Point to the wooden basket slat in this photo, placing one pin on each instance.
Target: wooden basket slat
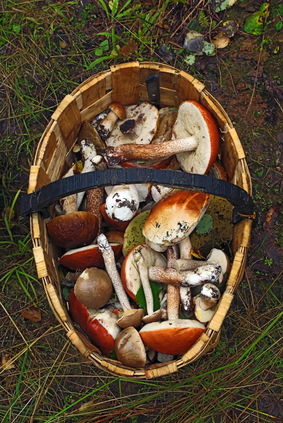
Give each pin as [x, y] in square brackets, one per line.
[167, 97]
[37, 178]
[126, 83]
[220, 314]
[93, 90]
[232, 152]
[188, 88]
[241, 234]
[213, 108]
[68, 117]
[167, 75]
[97, 107]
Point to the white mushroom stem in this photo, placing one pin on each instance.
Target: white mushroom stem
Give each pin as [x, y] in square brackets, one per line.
[125, 152]
[187, 264]
[69, 203]
[185, 247]
[110, 266]
[173, 292]
[143, 272]
[197, 277]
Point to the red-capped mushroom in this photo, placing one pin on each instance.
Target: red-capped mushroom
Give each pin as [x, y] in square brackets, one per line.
[195, 120]
[172, 336]
[88, 256]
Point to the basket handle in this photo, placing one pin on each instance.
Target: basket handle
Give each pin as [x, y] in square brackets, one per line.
[41, 199]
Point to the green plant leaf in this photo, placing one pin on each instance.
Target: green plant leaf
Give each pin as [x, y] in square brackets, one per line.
[155, 288]
[98, 52]
[17, 28]
[279, 25]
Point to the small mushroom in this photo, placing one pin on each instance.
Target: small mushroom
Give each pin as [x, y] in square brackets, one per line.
[122, 203]
[152, 316]
[110, 265]
[195, 120]
[130, 349]
[106, 125]
[209, 296]
[93, 288]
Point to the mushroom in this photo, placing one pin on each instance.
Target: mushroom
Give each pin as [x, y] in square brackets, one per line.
[122, 203]
[152, 316]
[88, 256]
[144, 120]
[118, 226]
[195, 120]
[130, 349]
[107, 124]
[122, 153]
[110, 265]
[129, 272]
[143, 190]
[209, 296]
[173, 292]
[175, 217]
[171, 336]
[215, 256]
[89, 132]
[185, 247]
[210, 272]
[99, 325]
[93, 288]
[205, 302]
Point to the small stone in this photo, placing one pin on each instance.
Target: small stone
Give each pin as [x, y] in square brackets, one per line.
[194, 41]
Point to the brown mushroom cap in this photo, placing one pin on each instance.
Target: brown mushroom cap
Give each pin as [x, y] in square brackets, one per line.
[93, 288]
[171, 336]
[130, 349]
[175, 217]
[118, 109]
[131, 317]
[73, 230]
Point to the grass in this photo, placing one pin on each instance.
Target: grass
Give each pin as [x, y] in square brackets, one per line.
[47, 49]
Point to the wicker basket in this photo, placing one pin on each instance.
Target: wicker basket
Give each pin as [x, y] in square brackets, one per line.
[125, 83]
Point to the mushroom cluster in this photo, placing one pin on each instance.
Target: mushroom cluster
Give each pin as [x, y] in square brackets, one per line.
[138, 292]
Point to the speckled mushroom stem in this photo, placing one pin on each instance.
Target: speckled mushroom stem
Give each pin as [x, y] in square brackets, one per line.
[212, 273]
[185, 247]
[121, 153]
[111, 269]
[173, 292]
[143, 272]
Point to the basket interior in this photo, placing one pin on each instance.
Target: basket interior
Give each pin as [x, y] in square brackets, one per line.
[126, 84]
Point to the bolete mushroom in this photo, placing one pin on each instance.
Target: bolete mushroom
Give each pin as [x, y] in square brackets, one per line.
[195, 120]
[130, 349]
[106, 125]
[175, 217]
[93, 288]
[122, 203]
[110, 265]
[143, 119]
[129, 272]
[205, 302]
[172, 336]
[99, 325]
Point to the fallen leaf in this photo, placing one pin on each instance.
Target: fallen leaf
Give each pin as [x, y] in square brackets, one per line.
[32, 314]
[63, 44]
[128, 49]
[7, 363]
[271, 217]
[221, 41]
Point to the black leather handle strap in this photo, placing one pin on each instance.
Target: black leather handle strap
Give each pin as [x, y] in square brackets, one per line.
[41, 199]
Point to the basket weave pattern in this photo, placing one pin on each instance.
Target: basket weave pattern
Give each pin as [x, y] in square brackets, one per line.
[125, 83]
